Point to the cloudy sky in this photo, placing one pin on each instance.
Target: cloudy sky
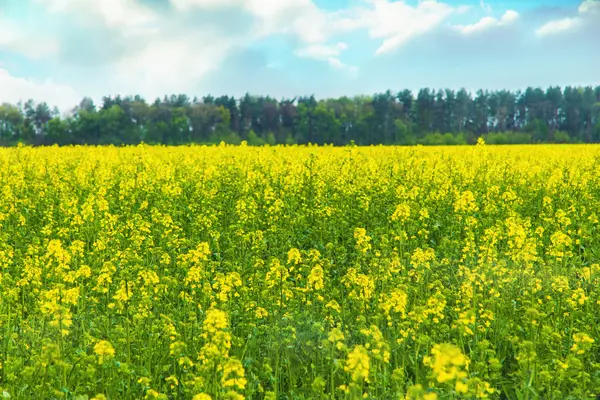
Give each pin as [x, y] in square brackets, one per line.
[61, 50]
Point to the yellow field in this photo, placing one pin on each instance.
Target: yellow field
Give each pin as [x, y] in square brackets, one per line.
[300, 272]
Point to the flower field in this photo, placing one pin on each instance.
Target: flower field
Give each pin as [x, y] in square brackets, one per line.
[232, 272]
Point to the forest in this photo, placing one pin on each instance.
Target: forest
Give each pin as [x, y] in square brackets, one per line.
[429, 117]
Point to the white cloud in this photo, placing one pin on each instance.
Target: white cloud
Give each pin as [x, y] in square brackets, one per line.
[185, 5]
[321, 51]
[170, 64]
[15, 89]
[397, 22]
[162, 58]
[509, 16]
[587, 11]
[557, 26]
[462, 9]
[486, 23]
[115, 13]
[301, 18]
[589, 6]
[326, 53]
[485, 7]
[30, 43]
[483, 24]
[394, 21]
[166, 57]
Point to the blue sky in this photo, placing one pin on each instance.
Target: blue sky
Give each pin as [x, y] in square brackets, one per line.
[60, 50]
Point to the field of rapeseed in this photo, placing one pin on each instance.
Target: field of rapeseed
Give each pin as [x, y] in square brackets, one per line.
[300, 273]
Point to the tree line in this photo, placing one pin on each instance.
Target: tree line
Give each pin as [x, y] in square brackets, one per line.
[429, 117]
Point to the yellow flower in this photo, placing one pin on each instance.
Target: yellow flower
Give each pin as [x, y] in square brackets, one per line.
[461, 387]
[363, 241]
[396, 301]
[583, 343]
[233, 375]
[202, 396]
[172, 381]
[144, 381]
[417, 392]
[215, 320]
[447, 362]
[104, 350]
[153, 394]
[402, 213]
[315, 278]
[124, 293]
[334, 306]
[231, 395]
[358, 364]
[335, 335]
[465, 203]
[261, 313]
[294, 257]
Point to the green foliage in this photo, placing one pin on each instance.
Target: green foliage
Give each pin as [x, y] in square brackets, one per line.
[555, 115]
[508, 138]
[402, 134]
[538, 129]
[58, 132]
[447, 139]
[228, 137]
[561, 137]
[254, 140]
[270, 139]
[289, 140]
